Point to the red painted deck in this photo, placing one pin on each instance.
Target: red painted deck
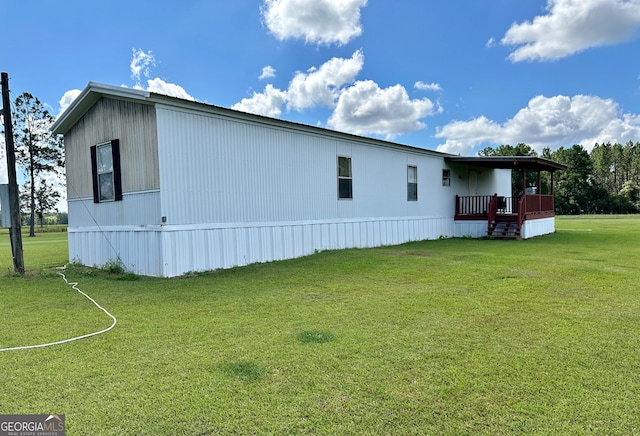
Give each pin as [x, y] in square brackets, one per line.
[504, 214]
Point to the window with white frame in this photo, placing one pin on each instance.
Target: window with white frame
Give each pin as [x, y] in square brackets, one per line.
[446, 177]
[412, 183]
[345, 180]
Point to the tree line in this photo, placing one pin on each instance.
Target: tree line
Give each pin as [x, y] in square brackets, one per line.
[603, 181]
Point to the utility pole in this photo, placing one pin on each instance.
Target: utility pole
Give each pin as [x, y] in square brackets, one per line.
[14, 194]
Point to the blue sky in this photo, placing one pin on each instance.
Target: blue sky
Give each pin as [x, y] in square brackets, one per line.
[454, 76]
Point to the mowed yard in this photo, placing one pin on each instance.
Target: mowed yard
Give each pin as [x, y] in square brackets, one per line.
[454, 336]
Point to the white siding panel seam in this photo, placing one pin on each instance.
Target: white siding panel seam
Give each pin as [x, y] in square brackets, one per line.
[389, 224]
[124, 194]
[115, 229]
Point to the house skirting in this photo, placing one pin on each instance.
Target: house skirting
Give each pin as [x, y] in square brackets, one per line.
[530, 228]
[470, 228]
[538, 227]
[173, 250]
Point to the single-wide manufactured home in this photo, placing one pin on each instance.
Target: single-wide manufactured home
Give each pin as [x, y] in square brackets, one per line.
[167, 186]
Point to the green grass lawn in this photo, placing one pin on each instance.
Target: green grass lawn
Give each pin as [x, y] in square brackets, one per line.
[454, 336]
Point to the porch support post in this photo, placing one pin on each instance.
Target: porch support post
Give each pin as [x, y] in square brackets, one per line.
[539, 182]
[524, 181]
[552, 190]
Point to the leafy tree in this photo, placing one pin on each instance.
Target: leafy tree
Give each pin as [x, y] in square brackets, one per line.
[634, 161]
[618, 166]
[62, 218]
[572, 190]
[45, 200]
[38, 152]
[509, 150]
[631, 192]
[602, 160]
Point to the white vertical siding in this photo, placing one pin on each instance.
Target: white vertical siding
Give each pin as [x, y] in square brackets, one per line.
[474, 229]
[216, 170]
[195, 248]
[237, 192]
[539, 227]
[138, 248]
[128, 230]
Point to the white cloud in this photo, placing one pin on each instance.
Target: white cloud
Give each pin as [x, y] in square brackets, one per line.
[427, 86]
[360, 107]
[268, 103]
[67, 99]
[365, 108]
[572, 26]
[318, 87]
[159, 86]
[546, 122]
[315, 21]
[268, 72]
[323, 86]
[141, 64]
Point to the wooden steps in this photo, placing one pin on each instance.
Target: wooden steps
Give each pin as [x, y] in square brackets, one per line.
[504, 228]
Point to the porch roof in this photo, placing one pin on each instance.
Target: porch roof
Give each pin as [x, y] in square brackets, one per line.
[509, 162]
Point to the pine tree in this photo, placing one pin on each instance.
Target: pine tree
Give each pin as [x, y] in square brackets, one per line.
[38, 152]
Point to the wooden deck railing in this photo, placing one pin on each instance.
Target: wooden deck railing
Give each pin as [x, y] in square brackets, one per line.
[479, 207]
[472, 207]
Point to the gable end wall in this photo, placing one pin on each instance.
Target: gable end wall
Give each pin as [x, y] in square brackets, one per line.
[135, 125]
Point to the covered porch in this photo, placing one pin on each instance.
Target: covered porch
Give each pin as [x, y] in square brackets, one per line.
[511, 217]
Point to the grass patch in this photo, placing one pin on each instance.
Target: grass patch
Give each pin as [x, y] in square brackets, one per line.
[315, 337]
[244, 370]
[450, 337]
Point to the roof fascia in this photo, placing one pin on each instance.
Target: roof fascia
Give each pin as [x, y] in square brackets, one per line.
[87, 98]
[94, 91]
[509, 162]
[198, 107]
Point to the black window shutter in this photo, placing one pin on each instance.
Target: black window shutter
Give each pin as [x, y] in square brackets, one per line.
[117, 178]
[94, 173]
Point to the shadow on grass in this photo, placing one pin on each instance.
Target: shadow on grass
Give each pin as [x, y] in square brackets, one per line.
[244, 370]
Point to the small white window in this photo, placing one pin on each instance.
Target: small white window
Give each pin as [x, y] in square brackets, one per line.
[446, 177]
[412, 183]
[345, 180]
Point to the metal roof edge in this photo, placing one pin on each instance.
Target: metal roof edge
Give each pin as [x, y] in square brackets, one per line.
[509, 162]
[94, 91]
[87, 98]
[196, 106]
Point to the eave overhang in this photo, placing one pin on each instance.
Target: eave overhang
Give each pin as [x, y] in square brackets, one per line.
[87, 98]
[95, 91]
[508, 162]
